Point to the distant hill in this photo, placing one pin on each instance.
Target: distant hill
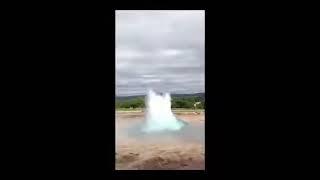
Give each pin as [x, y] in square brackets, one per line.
[177, 101]
[201, 95]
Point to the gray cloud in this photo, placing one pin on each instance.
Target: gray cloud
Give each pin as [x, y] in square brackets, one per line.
[163, 50]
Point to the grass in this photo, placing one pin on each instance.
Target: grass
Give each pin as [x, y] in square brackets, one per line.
[128, 109]
[173, 109]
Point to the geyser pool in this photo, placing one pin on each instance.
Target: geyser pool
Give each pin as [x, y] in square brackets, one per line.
[159, 116]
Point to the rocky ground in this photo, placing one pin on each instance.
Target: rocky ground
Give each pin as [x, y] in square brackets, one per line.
[182, 150]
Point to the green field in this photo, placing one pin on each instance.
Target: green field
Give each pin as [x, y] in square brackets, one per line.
[182, 102]
[173, 109]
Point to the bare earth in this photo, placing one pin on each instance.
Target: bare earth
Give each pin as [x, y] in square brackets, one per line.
[182, 150]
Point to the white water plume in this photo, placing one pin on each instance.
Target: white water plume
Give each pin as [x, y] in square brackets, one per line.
[159, 116]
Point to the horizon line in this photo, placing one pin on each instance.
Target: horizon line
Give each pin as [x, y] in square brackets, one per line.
[145, 94]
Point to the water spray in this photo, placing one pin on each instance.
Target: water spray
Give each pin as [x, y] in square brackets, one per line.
[159, 116]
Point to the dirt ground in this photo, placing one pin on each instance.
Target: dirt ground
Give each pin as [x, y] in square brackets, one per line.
[182, 150]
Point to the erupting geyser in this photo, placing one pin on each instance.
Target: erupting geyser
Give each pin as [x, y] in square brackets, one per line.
[159, 116]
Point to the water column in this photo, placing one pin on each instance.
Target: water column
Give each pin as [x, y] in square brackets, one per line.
[158, 115]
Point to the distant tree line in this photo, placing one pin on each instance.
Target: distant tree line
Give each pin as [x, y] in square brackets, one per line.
[176, 102]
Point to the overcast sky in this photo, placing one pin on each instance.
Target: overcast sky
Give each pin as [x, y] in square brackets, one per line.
[162, 50]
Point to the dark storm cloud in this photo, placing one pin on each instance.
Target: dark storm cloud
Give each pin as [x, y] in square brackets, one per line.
[163, 50]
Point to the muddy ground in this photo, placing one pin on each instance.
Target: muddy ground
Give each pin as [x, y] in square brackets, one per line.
[181, 150]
